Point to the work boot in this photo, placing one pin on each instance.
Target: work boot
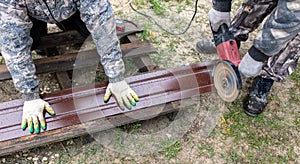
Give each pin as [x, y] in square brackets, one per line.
[206, 46]
[258, 96]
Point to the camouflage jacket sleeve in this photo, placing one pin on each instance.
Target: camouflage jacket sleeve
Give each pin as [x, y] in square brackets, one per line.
[99, 18]
[15, 47]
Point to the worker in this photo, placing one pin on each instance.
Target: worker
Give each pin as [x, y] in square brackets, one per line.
[275, 50]
[23, 22]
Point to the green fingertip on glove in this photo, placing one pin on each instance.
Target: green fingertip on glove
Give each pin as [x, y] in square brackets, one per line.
[50, 111]
[33, 112]
[24, 125]
[34, 128]
[128, 106]
[43, 125]
[106, 98]
[123, 94]
[37, 128]
[31, 129]
[136, 98]
[133, 103]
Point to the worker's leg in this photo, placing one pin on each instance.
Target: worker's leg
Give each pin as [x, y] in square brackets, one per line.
[39, 28]
[282, 65]
[280, 28]
[279, 39]
[74, 23]
[248, 17]
[277, 69]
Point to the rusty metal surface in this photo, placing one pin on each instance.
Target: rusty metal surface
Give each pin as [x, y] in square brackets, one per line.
[85, 104]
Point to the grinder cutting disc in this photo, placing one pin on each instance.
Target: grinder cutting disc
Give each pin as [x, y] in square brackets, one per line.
[227, 80]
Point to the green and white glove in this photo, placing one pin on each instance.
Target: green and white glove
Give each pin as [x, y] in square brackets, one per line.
[250, 67]
[123, 94]
[33, 115]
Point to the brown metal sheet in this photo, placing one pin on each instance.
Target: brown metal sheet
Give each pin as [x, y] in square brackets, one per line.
[85, 104]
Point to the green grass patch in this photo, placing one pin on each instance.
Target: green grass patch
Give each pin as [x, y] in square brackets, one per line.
[171, 148]
[206, 149]
[295, 76]
[130, 128]
[157, 7]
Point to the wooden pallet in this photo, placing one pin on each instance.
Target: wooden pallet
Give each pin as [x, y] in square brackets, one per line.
[59, 64]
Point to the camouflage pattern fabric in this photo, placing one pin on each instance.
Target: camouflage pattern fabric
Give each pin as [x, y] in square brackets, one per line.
[282, 65]
[280, 28]
[279, 37]
[249, 16]
[15, 40]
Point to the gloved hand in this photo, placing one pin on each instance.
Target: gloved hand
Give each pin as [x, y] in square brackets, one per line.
[122, 93]
[217, 18]
[33, 115]
[250, 67]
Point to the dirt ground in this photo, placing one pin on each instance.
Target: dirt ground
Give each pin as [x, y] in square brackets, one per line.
[205, 131]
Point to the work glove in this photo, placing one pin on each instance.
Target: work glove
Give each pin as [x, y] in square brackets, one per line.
[33, 115]
[217, 18]
[250, 67]
[123, 94]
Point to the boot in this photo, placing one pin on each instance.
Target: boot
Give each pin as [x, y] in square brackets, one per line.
[257, 100]
[206, 46]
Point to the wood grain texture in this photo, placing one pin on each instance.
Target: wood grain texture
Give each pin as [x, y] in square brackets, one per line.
[89, 57]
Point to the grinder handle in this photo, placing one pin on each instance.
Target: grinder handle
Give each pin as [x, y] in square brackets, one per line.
[223, 28]
[222, 35]
[226, 44]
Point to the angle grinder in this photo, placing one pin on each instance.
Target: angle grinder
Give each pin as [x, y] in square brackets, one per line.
[226, 77]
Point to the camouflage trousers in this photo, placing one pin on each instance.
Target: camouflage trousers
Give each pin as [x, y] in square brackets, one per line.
[279, 38]
[283, 64]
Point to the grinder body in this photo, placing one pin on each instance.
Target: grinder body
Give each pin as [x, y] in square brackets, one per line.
[227, 46]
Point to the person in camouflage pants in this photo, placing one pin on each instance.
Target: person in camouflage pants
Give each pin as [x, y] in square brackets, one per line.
[275, 51]
[22, 22]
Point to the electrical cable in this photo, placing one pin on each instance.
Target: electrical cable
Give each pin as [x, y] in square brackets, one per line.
[122, 7]
[160, 26]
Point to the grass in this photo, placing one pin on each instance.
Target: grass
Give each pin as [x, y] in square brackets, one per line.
[157, 7]
[260, 133]
[206, 149]
[130, 128]
[171, 148]
[296, 76]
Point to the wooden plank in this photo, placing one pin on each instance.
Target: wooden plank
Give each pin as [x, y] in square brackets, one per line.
[81, 108]
[73, 37]
[60, 39]
[62, 76]
[66, 62]
[143, 62]
[63, 80]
